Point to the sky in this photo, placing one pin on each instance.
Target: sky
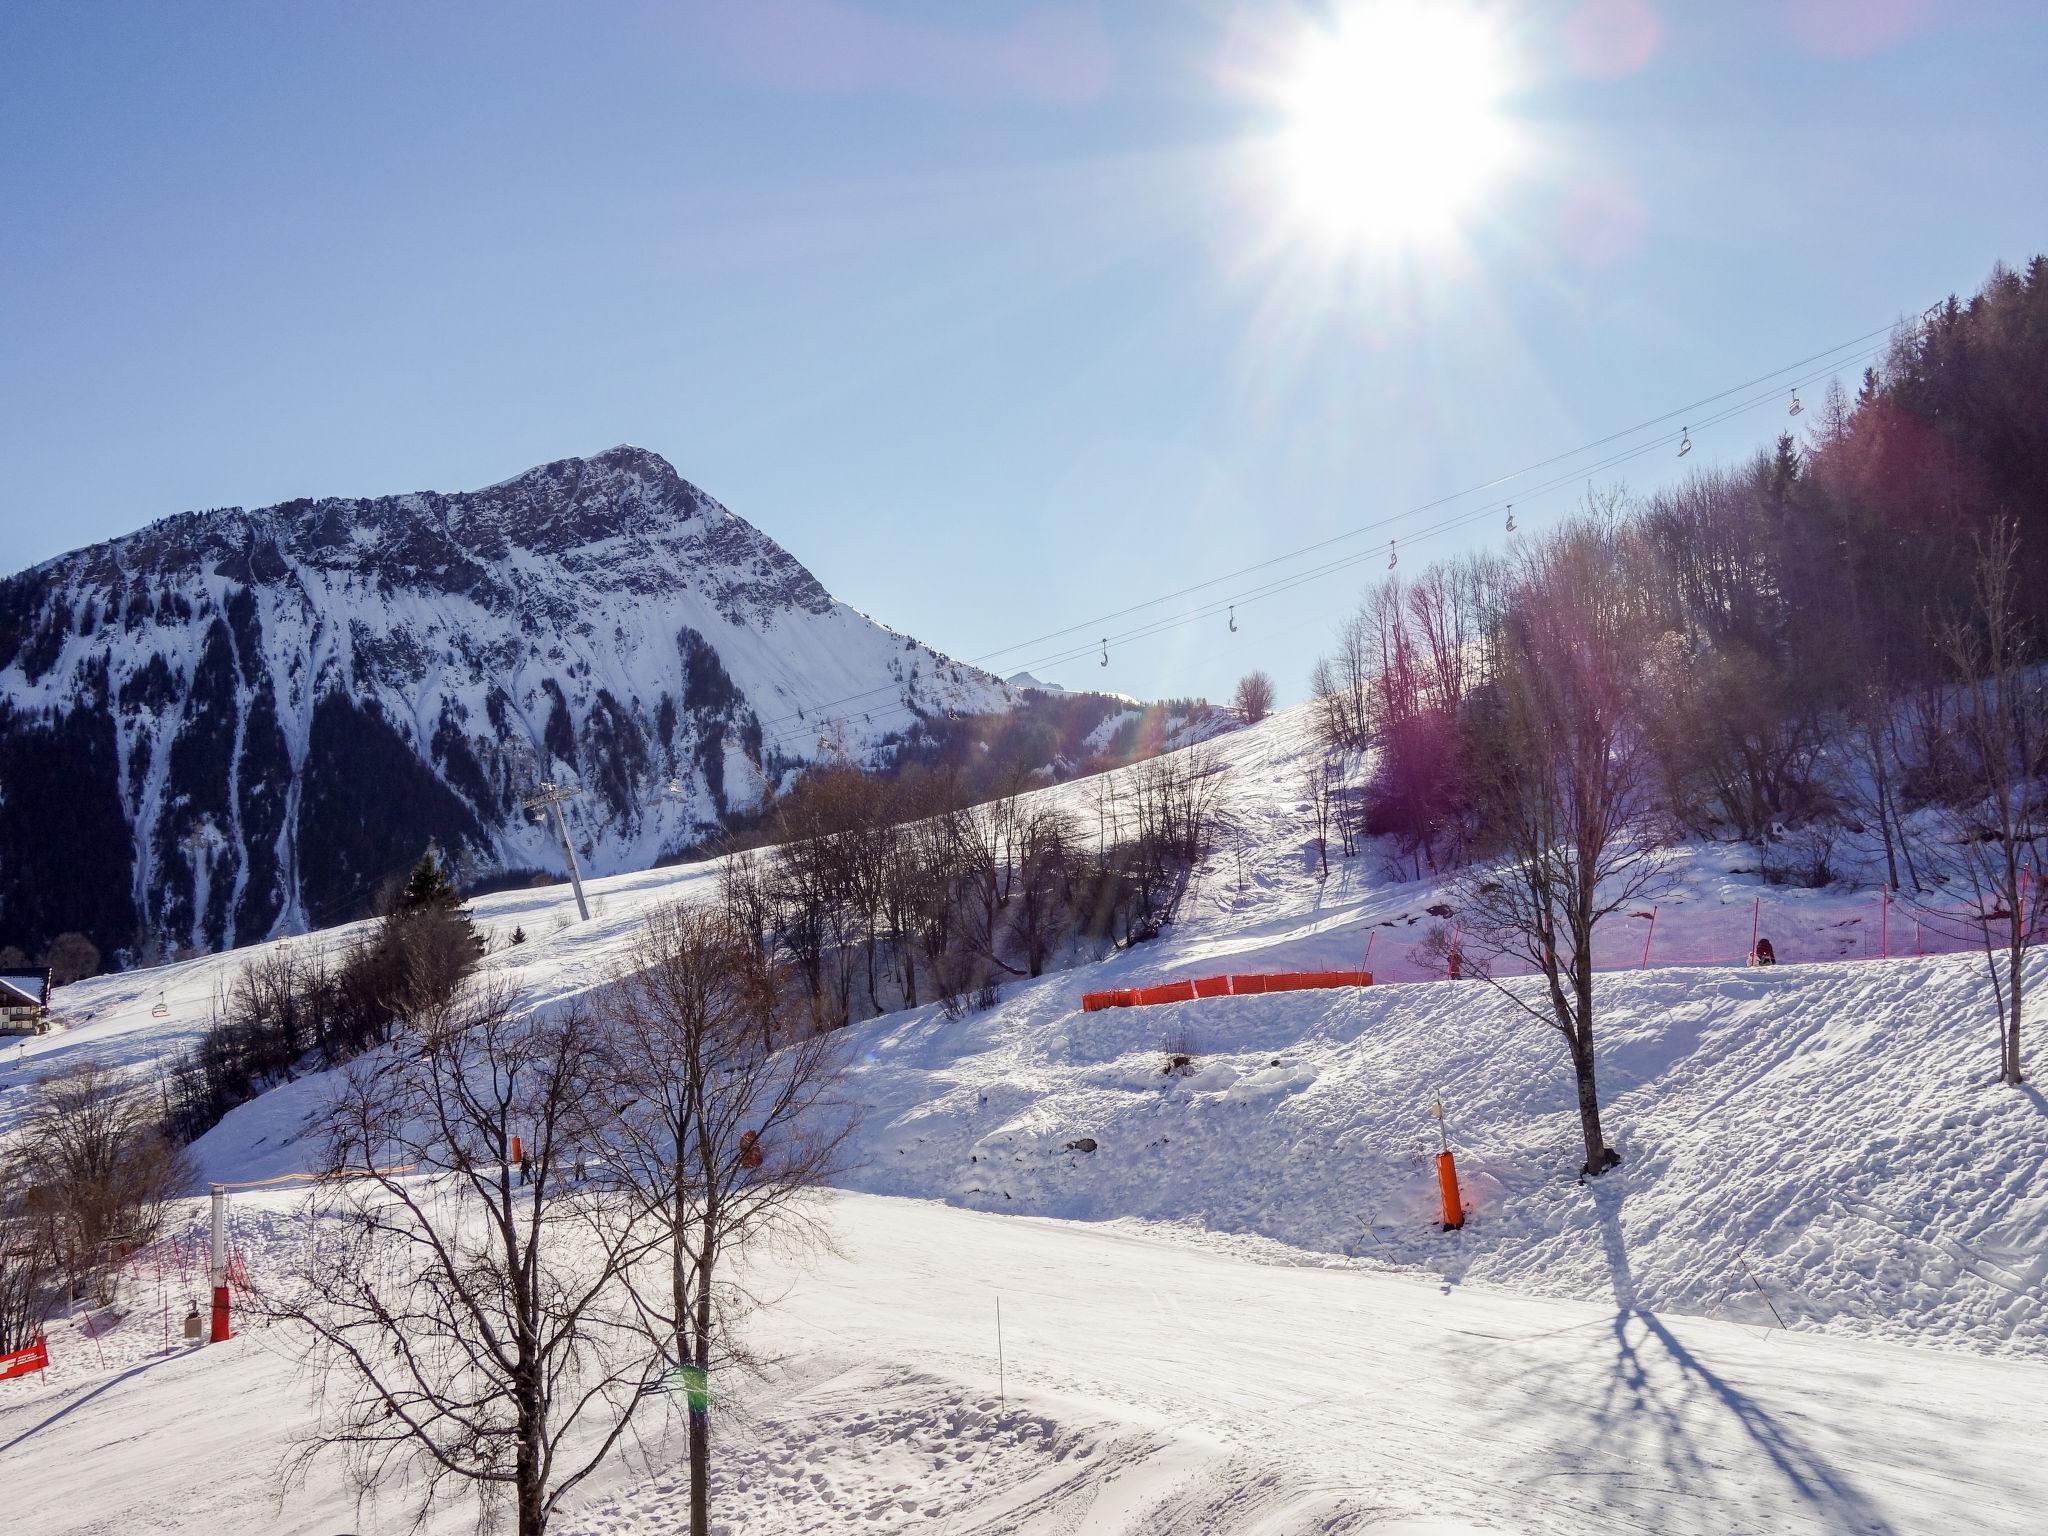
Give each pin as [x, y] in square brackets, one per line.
[1002, 317]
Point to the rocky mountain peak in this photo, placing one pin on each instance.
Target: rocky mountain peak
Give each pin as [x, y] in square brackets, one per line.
[231, 723]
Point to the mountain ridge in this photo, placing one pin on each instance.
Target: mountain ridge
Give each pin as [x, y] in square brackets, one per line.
[232, 722]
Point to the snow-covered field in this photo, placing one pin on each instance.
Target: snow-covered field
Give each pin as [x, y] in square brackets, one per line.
[1235, 1312]
[1153, 1383]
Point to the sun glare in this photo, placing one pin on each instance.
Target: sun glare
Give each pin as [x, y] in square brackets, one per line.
[1392, 125]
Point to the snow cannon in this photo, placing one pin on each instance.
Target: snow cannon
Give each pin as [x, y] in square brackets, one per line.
[222, 1330]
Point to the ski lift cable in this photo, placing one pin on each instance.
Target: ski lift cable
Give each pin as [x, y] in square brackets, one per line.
[1458, 521]
[1833, 365]
[1471, 490]
[1775, 374]
[1461, 520]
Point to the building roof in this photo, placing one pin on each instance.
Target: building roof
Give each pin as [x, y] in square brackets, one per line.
[24, 989]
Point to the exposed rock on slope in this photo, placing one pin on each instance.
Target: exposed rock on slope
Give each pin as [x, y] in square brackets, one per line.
[233, 723]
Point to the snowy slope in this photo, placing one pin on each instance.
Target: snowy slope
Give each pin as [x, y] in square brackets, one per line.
[1149, 1386]
[1822, 1137]
[1241, 1317]
[241, 720]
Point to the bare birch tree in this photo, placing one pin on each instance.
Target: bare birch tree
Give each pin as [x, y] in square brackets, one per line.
[723, 1123]
[2001, 725]
[470, 1326]
[1563, 791]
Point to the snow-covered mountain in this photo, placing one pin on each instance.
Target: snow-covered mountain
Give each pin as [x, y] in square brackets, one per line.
[234, 723]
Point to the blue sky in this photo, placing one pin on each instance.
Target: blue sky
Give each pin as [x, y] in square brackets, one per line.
[986, 312]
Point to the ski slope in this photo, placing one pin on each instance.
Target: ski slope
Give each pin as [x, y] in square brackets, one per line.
[1812, 1297]
[1150, 1384]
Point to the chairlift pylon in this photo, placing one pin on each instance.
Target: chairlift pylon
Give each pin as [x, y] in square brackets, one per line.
[1684, 442]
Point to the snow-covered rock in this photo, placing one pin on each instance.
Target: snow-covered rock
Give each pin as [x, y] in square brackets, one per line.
[236, 723]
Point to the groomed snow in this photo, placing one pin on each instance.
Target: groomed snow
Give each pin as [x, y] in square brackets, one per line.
[1242, 1306]
[1150, 1385]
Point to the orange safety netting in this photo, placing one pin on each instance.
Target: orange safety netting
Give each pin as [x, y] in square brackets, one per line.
[1221, 986]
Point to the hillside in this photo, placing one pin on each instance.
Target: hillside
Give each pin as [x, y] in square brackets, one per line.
[1834, 1119]
[1229, 1305]
[236, 723]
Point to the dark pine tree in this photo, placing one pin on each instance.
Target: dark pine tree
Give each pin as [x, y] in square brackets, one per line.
[428, 888]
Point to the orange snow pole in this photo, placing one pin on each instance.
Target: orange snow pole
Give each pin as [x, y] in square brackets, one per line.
[1447, 1174]
[1447, 1182]
[518, 1150]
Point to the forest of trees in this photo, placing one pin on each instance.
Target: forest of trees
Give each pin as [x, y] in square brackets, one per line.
[1831, 637]
[886, 893]
[1779, 617]
[288, 1009]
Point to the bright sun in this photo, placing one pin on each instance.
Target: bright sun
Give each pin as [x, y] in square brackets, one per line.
[1392, 122]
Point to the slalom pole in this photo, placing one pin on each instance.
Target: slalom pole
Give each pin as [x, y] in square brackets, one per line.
[1755, 916]
[1885, 926]
[1002, 1383]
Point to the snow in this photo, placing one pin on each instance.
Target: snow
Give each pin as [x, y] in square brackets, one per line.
[1150, 1383]
[1811, 1298]
[595, 619]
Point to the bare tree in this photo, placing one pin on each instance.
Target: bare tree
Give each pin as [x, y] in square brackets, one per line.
[1562, 787]
[99, 1171]
[71, 957]
[1048, 841]
[2001, 726]
[30, 1285]
[725, 1124]
[1342, 685]
[473, 1327]
[1319, 786]
[1254, 698]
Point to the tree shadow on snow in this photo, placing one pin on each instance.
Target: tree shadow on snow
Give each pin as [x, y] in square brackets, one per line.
[1642, 1430]
[1663, 1411]
[87, 1396]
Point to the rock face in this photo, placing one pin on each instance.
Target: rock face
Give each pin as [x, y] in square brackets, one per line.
[238, 723]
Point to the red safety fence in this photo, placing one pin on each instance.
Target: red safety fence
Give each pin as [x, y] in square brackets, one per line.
[1221, 986]
[35, 1358]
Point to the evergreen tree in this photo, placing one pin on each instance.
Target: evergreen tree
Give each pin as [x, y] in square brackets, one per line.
[428, 888]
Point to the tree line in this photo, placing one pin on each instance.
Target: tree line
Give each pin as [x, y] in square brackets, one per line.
[889, 893]
[1832, 636]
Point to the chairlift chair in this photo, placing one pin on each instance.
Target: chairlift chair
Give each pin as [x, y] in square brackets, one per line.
[1105, 650]
[1511, 517]
[1233, 618]
[1684, 442]
[1796, 406]
[1393, 553]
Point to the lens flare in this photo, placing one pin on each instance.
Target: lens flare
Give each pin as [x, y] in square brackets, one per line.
[1392, 122]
